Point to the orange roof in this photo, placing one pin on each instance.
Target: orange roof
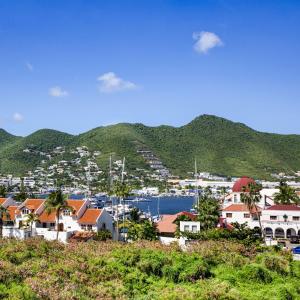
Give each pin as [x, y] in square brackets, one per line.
[12, 213]
[240, 207]
[90, 216]
[2, 200]
[47, 218]
[76, 204]
[33, 204]
[166, 224]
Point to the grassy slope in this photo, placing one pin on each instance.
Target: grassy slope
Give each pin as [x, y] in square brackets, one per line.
[13, 159]
[36, 269]
[220, 146]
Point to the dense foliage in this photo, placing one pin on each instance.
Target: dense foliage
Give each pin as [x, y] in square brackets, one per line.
[36, 269]
[220, 146]
[286, 194]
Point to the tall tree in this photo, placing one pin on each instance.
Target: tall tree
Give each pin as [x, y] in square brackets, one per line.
[286, 194]
[251, 197]
[22, 194]
[121, 191]
[208, 209]
[30, 219]
[3, 191]
[3, 214]
[56, 202]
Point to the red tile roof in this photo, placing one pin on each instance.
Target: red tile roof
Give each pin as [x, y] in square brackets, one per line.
[47, 218]
[241, 183]
[167, 225]
[12, 213]
[240, 207]
[76, 204]
[33, 204]
[2, 200]
[284, 207]
[90, 216]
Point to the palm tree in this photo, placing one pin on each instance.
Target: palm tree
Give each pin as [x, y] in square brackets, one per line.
[3, 213]
[30, 219]
[3, 191]
[250, 197]
[122, 191]
[56, 202]
[286, 194]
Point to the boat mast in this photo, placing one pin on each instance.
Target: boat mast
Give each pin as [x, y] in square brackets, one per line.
[110, 183]
[122, 181]
[196, 184]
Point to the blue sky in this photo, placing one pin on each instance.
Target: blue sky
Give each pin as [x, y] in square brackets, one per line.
[75, 65]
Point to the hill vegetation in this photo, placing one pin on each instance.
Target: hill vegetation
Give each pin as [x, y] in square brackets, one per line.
[37, 269]
[220, 146]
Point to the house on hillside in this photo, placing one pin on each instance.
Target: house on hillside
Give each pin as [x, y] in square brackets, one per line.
[169, 231]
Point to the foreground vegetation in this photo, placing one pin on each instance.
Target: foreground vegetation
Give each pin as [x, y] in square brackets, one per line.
[36, 269]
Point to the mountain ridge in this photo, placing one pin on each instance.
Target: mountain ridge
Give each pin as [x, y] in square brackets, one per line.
[219, 145]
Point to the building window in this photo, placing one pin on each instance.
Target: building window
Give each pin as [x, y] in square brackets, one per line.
[83, 227]
[273, 218]
[228, 215]
[295, 218]
[246, 215]
[235, 198]
[186, 228]
[194, 228]
[25, 211]
[52, 224]
[66, 212]
[44, 225]
[90, 227]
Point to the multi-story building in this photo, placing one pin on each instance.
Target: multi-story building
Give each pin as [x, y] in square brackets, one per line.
[79, 218]
[277, 221]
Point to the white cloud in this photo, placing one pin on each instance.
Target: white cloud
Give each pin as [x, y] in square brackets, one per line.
[205, 41]
[110, 82]
[57, 91]
[17, 117]
[29, 66]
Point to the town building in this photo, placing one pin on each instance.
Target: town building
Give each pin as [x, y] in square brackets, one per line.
[79, 218]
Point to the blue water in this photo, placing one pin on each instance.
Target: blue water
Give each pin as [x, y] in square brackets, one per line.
[166, 205]
[158, 205]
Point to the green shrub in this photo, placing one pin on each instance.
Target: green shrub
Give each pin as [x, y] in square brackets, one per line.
[277, 264]
[256, 273]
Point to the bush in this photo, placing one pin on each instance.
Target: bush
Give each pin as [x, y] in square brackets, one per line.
[277, 264]
[256, 273]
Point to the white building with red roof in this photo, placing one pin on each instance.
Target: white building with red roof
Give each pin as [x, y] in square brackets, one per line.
[281, 221]
[80, 218]
[167, 227]
[240, 213]
[240, 186]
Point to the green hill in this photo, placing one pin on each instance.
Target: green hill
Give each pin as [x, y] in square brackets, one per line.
[220, 146]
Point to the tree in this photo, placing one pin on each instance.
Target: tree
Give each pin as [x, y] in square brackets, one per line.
[135, 215]
[286, 194]
[3, 191]
[56, 202]
[250, 197]
[22, 195]
[3, 214]
[30, 219]
[141, 231]
[208, 209]
[121, 191]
